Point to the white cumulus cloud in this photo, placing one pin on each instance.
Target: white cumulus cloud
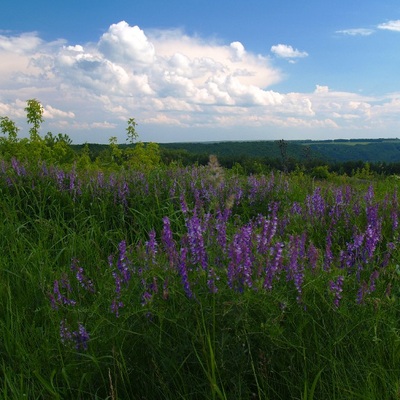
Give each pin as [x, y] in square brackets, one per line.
[391, 25]
[166, 78]
[286, 51]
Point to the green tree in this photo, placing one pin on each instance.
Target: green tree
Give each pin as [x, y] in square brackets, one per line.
[34, 114]
[9, 128]
[283, 150]
[84, 161]
[131, 131]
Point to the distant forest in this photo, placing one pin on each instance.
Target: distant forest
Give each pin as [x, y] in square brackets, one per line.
[340, 155]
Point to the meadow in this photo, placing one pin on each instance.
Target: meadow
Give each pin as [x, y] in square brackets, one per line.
[197, 283]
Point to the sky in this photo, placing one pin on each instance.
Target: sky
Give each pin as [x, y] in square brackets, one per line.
[201, 70]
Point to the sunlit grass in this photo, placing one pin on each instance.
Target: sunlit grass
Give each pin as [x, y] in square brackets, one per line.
[197, 283]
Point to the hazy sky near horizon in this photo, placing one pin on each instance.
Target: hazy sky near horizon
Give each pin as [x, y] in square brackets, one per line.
[201, 70]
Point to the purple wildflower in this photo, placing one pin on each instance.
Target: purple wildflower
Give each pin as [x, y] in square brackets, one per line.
[361, 293]
[312, 256]
[268, 230]
[84, 281]
[211, 278]
[123, 192]
[123, 262]
[220, 226]
[369, 195]
[115, 306]
[274, 266]
[59, 298]
[182, 268]
[169, 243]
[151, 247]
[81, 337]
[196, 241]
[65, 332]
[296, 208]
[17, 167]
[240, 263]
[315, 204]
[372, 281]
[336, 289]
[395, 220]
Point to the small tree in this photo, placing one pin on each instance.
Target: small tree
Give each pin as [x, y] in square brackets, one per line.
[283, 150]
[131, 131]
[34, 114]
[9, 128]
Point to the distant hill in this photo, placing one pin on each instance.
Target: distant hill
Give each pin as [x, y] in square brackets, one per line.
[257, 149]
[329, 151]
[339, 150]
[371, 150]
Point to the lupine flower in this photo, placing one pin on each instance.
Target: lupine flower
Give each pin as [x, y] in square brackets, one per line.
[17, 167]
[196, 241]
[81, 337]
[123, 262]
[336, 289]
[84, 281]
[268, 231]
[372, 238]
[220, 226]
[65, 332]
[151, 247]
[295, 270]
[273, 267]
[169, 243]
[372, 281]
[241, 259]
[59, 298]
[211, 278]
[369, 195]
[115, 306]
[316, 204]
[123, 192]
[296, 208]
[361, 293]
[182, 268]
[395, 220]
[312, 256]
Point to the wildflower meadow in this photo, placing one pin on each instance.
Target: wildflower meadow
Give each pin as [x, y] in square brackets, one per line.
[197, 283]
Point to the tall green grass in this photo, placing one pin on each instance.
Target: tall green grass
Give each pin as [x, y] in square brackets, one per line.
[241, 342]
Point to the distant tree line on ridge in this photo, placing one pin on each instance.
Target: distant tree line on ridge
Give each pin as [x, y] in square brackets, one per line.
[319, 158]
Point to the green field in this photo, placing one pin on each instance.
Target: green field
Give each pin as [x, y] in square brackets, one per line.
[136, 272]
[197, 283]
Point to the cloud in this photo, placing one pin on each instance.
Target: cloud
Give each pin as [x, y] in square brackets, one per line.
[127, 44]
[52, 113]
[356, 32]
[285, 51]
[391, 25]
[167, 79]
[24, 43]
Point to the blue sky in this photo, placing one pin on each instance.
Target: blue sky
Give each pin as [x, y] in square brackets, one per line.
[200, 70]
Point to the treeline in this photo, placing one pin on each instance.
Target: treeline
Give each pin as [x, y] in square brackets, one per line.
[243, 157]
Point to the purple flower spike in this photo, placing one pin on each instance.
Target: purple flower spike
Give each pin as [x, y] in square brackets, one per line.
[81, 338]
[84, 281]
[169, 243]
[336, 289]
[196, 242]
[184, 273]
[151, 247]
